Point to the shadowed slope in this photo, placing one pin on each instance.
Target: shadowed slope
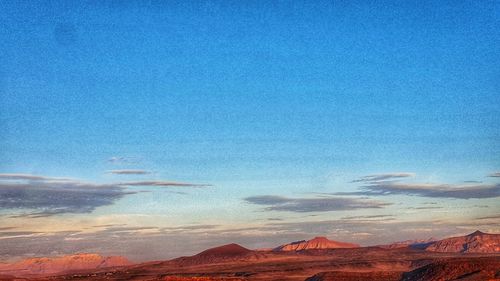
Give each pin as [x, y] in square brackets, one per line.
[225, 250]
[356, 276]
[464, 269]
[225, 253]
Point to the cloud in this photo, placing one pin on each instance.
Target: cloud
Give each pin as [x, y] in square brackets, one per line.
[17, 233]
[47, 198]
[494, 175]
[303, 205]
[30, 177]
[128, 172]
[267, 200]
[7, 228]
[368, 217]
[191, 228]
[495, 217]
[425, 208]
[122, 160]
[44, 196]
[388, 176]
[387, 184]
[129, 228]
[162, 183]
[432, 190]
[175, 241]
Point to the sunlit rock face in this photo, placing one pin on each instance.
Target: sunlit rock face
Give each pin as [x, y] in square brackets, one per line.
[46, 265]
[314, 244]
[477, 242]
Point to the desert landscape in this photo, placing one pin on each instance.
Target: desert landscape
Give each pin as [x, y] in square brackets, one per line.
[249, 140]
[472, 257]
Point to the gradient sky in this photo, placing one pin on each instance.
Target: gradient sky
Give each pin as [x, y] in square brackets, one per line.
[154, 129]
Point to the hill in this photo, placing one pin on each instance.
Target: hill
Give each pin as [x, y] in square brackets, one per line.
[52, 265]
[314, 244]
[476, 242]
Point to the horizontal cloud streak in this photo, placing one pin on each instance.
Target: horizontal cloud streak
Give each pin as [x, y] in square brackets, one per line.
[128, 172]
[45, 196]
[428, 190]
[57, 198]
[122, 160]
[162, 183]
[162, 242]
[495, 217]
[303, 205]
[367, 217]
[391, 184]
[388, 176]
[30, 177]
[494, 175]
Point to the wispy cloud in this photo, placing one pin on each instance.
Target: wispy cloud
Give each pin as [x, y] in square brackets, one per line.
[433, 190]
[425, 208]
[7, 228]
[322, 204]
[387, 176]
[122, 160]
[367, 217]
[46, 198]
[163, 243]
[495, 217]
[30, 177]
[43, 196]
[128, 172]
[391, 184]
[17, 233]
[162, 184]
[494, 175]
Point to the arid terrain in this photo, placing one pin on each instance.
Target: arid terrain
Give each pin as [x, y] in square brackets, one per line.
[471, 257]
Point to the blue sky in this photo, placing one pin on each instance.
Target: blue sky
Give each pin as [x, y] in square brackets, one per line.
[288, 99]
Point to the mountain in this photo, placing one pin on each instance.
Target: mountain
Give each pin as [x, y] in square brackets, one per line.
[314, 244]
[414, 244]
[221, 254]
[476, 242]
[75, 262]
[228, 250]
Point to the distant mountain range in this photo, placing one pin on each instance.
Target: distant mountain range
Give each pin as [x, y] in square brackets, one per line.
[414, 244]
[418, 253]
[43, 266]
[476, 242]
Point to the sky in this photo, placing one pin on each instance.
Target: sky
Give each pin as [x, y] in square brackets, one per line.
[154, 129]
